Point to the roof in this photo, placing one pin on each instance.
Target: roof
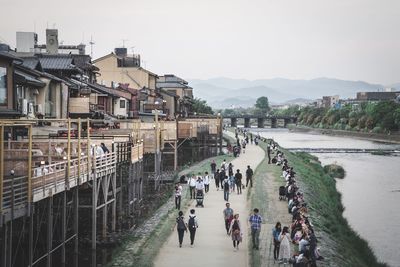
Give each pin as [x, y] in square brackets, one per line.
[84, 62]
[57, 62]
[106, 56]
[168, 93]
[109, 91]
[25, 78]
[171, 78]
[9, 56]
[32, 63]
[172, 85]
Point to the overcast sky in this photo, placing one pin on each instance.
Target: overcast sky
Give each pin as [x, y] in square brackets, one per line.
[252, 39]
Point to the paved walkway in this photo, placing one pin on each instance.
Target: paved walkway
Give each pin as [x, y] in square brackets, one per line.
[212, 246]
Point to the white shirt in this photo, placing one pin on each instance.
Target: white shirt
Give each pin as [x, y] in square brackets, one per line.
[199, 185]
[192, 181]
[206, 180]
[178, 192]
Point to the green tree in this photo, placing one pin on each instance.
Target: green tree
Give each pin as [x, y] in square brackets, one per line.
[262, 104]
[201, 107]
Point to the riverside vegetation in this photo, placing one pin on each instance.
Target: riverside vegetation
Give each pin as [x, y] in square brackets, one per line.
[339, 244]
[374, 117]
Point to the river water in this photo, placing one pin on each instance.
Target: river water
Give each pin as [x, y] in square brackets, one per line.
[370, 191]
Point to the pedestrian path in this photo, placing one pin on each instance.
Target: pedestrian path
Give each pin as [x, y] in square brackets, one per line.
[213, 247]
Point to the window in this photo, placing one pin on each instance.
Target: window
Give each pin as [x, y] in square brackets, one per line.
[3, 86]
[122, 103]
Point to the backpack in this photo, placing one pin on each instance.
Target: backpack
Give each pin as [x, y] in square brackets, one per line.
[181, 224]
[226, 185]
[192, 223]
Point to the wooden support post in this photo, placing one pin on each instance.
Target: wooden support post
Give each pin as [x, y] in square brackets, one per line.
[49, 229]
[76, 224]
[175, 155]
[63, 226]
[79, 151]
[30, 169]
[68, 173]
[4, 246]
[114, 204]
[1, 167]
[30, 245]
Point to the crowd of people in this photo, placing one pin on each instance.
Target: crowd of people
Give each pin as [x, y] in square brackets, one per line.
[301, 231]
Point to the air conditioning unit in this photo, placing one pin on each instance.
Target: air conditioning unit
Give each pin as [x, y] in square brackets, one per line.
[31, 109]
[24, 106]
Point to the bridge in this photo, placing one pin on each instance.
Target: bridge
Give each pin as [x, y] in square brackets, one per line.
[261, 119]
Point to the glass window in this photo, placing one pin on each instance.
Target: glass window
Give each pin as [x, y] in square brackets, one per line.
[3, 86]
[122, 103]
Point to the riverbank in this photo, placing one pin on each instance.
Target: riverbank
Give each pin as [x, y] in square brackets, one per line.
[339, 244]
[393, 138]
[141, 246]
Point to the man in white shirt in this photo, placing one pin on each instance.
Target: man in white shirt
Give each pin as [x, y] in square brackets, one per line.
[199, 184]
[206, 181]
[192, 185]
[178, 196]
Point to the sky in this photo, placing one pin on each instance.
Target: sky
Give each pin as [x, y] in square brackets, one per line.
[250, 39]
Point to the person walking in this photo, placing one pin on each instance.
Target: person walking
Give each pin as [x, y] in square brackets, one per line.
[249, 176]
[230, 169]
[236, 232]
[213, 166]
[222, 175]
[276, 231]
[269, 153]
[238, 179]
[192, 186]
[206, 181]
[284, 249]
[216, 178]
[178, 196]
[255, 225]
[192, 224]
[226, 188]
[228, 216]
[180, 227]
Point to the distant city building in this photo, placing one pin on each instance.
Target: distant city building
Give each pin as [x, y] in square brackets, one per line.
[377, 96]
[27, 42]
[330, 101]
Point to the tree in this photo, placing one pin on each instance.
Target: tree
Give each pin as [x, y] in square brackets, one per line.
[201, 107]
[262, 104]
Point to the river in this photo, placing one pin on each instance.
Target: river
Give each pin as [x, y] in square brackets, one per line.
[370, 191]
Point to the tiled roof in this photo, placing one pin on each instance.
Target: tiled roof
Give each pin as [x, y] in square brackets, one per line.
[57, 62]
[31, 63]
[171, 85]
[84, 62]
[28, 79]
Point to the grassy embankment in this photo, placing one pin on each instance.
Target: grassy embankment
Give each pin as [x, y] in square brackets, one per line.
[345, 247]
[144, 255]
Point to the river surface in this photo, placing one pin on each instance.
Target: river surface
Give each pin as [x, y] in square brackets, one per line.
[370, 191]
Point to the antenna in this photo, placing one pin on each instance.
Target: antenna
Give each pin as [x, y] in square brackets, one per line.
[91, 46]
[123, 42]
[132, 47]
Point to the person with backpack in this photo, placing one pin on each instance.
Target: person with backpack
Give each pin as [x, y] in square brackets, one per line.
[226, 186]
[192, 225]
[238, 179]
[249, 176]
[213, 166]
[180, 227]
[235, 232]
[228, 217]
[178, 195]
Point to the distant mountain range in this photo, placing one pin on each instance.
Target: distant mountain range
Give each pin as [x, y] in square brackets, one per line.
[227, 92]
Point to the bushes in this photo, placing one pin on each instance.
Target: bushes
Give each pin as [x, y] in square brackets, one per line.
[363, 117]
[334, 171]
